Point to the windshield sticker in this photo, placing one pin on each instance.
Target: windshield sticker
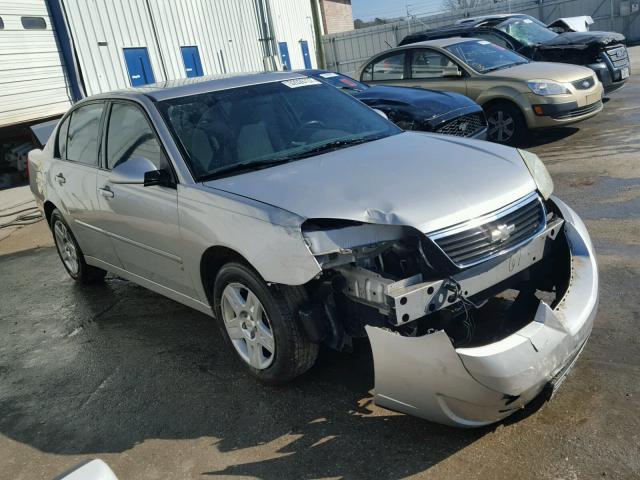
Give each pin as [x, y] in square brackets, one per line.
[328, 75]
[484, 42]
[301, 82]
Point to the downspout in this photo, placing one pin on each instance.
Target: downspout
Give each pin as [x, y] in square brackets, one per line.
[61, 32]
[266, 38]
[272, 35]
[155, 36]
[318, 32]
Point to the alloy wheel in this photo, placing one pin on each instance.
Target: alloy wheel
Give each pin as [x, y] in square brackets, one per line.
[66, 247]
[501, 126]
[248, 326]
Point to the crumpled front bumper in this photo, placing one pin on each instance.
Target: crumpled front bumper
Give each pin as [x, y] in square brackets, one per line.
[469, 387]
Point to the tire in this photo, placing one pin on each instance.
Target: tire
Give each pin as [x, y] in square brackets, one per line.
[70, 253]
[246, 329]
[507, 125]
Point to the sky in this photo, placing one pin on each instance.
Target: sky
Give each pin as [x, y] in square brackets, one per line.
[369, 9]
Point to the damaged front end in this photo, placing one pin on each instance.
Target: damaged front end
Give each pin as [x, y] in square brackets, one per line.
[466, 324]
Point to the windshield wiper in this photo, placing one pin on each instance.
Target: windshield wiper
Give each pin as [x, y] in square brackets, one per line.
[502, 67]
[260, 164]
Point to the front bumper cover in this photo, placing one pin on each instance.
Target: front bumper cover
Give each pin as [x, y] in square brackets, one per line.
[470, 387]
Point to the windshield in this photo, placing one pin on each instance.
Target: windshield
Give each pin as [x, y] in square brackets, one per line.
[484, 56]
[528, 31]
[247, 128]
[342, 81]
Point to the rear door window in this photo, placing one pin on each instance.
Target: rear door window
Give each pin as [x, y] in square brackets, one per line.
[84, 134]
[390, 67]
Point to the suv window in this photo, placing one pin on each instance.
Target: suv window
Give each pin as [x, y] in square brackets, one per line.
[493, 38]
[387, 68]
[84, 132]
[61, 145]
[129, 135]
[431, 64]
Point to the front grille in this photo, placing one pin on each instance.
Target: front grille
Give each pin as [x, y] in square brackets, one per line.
[465, 126]
[579, 111]
[584, 83]
[618, 56]
[493, 234]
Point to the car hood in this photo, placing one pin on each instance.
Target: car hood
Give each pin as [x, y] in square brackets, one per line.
[584, 39]
[430, 103]
[421, 180]
[559, 72]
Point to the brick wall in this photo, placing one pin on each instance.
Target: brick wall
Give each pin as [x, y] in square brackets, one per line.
[337, 15]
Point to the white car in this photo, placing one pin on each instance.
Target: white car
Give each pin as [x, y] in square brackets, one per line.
[297, 216]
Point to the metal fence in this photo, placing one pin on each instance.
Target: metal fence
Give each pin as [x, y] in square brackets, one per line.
[346, 51]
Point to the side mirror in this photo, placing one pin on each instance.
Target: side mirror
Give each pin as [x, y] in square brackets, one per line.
[158, 177]
[381, 113]
[132, 172]
[457, 73]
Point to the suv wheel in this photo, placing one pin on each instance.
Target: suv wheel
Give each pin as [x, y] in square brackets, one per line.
[260, 323]
[506, 124]
[70, 253]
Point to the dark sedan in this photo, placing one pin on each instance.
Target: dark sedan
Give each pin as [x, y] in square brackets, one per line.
[415, 108]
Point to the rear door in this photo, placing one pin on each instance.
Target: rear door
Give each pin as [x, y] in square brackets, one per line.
[74, 171]
[141, 221]
[432, 69]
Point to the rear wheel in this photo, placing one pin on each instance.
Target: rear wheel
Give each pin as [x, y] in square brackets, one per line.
[506, 124]
[260, 324]
[70, 253]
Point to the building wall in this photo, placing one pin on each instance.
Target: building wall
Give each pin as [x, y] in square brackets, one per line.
[33, 83]
[293, 23]
[337, 15]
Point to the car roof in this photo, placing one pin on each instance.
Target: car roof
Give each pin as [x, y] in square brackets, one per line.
[439, 42]
[183, 87]
[484, 18]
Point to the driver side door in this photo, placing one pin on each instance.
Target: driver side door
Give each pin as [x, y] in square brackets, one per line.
[142, 221]
[432, 69]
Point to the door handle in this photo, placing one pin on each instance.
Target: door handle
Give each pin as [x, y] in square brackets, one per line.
[106, 192]
[60, 178]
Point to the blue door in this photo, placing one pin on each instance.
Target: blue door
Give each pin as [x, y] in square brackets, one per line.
[191, 59]
[284, 55]
[305, 53]
[139, 66]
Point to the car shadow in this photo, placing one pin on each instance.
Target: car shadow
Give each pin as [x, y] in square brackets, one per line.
[551, 135]
[100, 369]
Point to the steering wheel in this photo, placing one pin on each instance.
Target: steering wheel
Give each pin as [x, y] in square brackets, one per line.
[311, 124]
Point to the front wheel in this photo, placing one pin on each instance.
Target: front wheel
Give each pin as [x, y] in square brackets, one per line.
[70, 253]
[260, 323]
[506, 124]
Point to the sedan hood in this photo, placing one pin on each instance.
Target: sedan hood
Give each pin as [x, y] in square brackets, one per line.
[559, 72]
[421, 180]
[431, 103]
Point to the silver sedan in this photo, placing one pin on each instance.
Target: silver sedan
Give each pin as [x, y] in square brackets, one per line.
[297, 217]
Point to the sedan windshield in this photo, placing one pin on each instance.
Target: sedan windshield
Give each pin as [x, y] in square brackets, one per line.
[242, 129]
[484, 56]
[342, 81]
[528, 31]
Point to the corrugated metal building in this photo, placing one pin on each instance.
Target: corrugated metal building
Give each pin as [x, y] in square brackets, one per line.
[33, 81]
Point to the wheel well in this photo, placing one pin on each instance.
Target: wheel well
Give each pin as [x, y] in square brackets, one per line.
[497, 101]
[48, 210]
[212, 261]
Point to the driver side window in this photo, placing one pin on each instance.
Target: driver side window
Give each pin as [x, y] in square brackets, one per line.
[129, 135]
[432, 64]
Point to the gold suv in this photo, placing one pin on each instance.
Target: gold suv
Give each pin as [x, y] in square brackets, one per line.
[516, 93]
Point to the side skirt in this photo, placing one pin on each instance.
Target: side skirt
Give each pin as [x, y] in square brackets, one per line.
[153, 286]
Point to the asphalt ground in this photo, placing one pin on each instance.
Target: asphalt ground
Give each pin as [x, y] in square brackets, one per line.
[119, 373]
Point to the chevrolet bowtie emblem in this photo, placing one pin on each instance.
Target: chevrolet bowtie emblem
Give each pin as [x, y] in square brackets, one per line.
[502, 233]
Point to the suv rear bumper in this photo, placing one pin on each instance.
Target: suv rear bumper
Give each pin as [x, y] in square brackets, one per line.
[469, 387]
